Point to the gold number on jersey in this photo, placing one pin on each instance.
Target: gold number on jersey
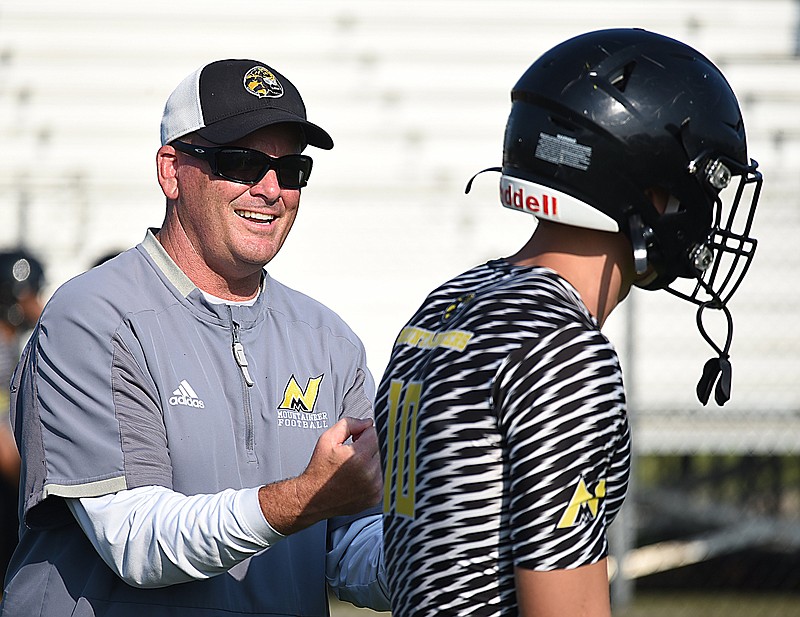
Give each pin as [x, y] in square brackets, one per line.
[405, 480]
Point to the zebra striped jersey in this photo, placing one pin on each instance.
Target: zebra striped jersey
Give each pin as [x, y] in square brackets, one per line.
[504, 441]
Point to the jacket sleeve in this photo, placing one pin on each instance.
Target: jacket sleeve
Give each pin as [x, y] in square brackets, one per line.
[354, 565]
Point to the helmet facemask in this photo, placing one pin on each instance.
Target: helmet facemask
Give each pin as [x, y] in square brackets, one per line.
[719, 263]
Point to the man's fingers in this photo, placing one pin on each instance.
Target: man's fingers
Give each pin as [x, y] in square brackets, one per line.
[356, 426]
[349, 427]
[367, 442]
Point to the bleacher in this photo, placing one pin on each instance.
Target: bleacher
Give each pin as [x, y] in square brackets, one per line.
[415, 94]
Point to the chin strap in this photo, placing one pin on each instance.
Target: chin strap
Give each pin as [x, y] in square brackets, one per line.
[716, 370]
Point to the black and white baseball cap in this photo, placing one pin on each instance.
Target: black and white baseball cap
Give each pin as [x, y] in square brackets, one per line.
[225, 100]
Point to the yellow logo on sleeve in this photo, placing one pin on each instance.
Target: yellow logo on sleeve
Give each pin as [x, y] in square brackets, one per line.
[584, 504]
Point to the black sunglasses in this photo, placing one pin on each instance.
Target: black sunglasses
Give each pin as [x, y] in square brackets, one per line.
[247, 166]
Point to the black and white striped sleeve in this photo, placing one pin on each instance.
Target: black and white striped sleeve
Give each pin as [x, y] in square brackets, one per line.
[561, 410]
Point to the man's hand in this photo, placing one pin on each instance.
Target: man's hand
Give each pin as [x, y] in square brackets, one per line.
[341, 478]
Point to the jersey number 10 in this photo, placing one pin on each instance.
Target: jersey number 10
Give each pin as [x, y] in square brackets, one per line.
[403, 483]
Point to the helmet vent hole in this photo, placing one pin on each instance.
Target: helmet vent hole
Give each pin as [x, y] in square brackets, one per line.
[620, 79]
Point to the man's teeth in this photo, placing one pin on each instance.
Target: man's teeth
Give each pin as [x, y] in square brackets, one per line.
[256, 216]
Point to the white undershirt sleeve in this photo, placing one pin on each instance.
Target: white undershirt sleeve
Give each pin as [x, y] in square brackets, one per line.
[154, 537]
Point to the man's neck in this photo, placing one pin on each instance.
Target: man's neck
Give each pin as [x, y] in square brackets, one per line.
[180, 249]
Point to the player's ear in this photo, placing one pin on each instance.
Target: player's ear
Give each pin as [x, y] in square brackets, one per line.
[659, 198]
[166, 168]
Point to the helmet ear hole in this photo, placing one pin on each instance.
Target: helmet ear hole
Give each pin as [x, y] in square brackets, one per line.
[660, 198]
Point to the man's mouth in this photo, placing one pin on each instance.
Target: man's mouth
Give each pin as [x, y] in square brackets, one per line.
[255, 216]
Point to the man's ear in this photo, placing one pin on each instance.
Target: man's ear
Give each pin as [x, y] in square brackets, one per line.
[166, 167]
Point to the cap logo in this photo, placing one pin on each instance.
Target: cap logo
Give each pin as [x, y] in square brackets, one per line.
[259, 81]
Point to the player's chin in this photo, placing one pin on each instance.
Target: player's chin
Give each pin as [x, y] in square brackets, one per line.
[645, 279]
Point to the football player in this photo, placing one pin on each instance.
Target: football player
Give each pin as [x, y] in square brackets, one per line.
[501, 417]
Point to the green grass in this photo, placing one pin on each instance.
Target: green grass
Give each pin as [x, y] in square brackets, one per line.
[683, 604]
[678, 604]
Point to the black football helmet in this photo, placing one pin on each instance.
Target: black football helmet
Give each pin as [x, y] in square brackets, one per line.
[20, 274]
[603, 119]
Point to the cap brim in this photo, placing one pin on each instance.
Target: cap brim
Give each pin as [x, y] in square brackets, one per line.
[235, 127]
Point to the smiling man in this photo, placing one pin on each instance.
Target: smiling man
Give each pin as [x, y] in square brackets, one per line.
[160, 473]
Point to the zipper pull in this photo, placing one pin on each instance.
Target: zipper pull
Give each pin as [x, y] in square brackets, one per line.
[238, 354]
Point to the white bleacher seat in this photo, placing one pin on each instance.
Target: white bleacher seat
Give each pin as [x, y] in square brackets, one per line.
[415, 94]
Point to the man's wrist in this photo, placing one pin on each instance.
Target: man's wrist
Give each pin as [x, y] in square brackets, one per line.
[282, 506]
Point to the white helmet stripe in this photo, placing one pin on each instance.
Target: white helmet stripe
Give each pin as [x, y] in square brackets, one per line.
[549, 204]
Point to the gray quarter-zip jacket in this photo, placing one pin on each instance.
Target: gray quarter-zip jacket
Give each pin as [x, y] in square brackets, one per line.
[132, 378]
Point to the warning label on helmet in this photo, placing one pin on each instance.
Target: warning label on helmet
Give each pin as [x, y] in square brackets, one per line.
[563, 150]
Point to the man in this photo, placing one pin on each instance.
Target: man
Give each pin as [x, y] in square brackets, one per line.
[501, 416]
[21, 281]
[196, 437]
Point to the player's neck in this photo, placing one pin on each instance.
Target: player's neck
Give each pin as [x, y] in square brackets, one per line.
[593, 262]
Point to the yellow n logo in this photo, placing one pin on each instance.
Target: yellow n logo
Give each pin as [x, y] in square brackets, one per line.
[296, 398]
[583, 503]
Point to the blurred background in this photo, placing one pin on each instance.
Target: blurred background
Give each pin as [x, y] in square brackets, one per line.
[416, 94]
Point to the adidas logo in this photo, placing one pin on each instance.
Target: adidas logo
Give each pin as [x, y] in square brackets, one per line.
[185, 395]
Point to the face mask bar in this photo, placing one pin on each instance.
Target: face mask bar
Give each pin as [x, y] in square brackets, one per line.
[720, 266]
[721, 263]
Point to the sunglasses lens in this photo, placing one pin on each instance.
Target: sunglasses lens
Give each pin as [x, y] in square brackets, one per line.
[246, 166]
[250, 166]
[293, 170]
